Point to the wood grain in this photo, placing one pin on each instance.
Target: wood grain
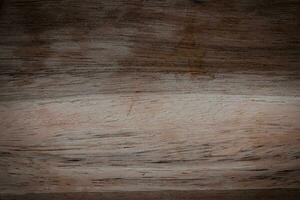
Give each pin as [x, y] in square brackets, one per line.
[149, 95]
[291, 194]
[116, 142]
[62, 48]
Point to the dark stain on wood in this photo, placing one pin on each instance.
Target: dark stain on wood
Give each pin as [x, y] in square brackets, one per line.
[184, 55]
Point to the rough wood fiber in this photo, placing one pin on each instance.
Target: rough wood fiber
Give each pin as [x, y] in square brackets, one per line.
[149, 95]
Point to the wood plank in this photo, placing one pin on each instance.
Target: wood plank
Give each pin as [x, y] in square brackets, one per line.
[288, 194]
[57, 48]
[140, 95]
[150, 142]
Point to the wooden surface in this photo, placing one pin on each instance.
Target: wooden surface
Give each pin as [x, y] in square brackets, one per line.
[149, 95]
[280, 194]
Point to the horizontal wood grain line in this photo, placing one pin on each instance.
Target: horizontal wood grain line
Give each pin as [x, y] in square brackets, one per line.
[273, 194]
[56, 86]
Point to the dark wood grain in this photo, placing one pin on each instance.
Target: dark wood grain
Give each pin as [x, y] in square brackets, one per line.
[287, 194]
[62, 48]
[149, 95]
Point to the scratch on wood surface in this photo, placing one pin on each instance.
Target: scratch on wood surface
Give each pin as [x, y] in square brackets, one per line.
[130, 108]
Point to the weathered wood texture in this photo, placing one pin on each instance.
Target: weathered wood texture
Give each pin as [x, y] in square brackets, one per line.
[280, 194]
[149, 95]
[56, 48]
[183, 141]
